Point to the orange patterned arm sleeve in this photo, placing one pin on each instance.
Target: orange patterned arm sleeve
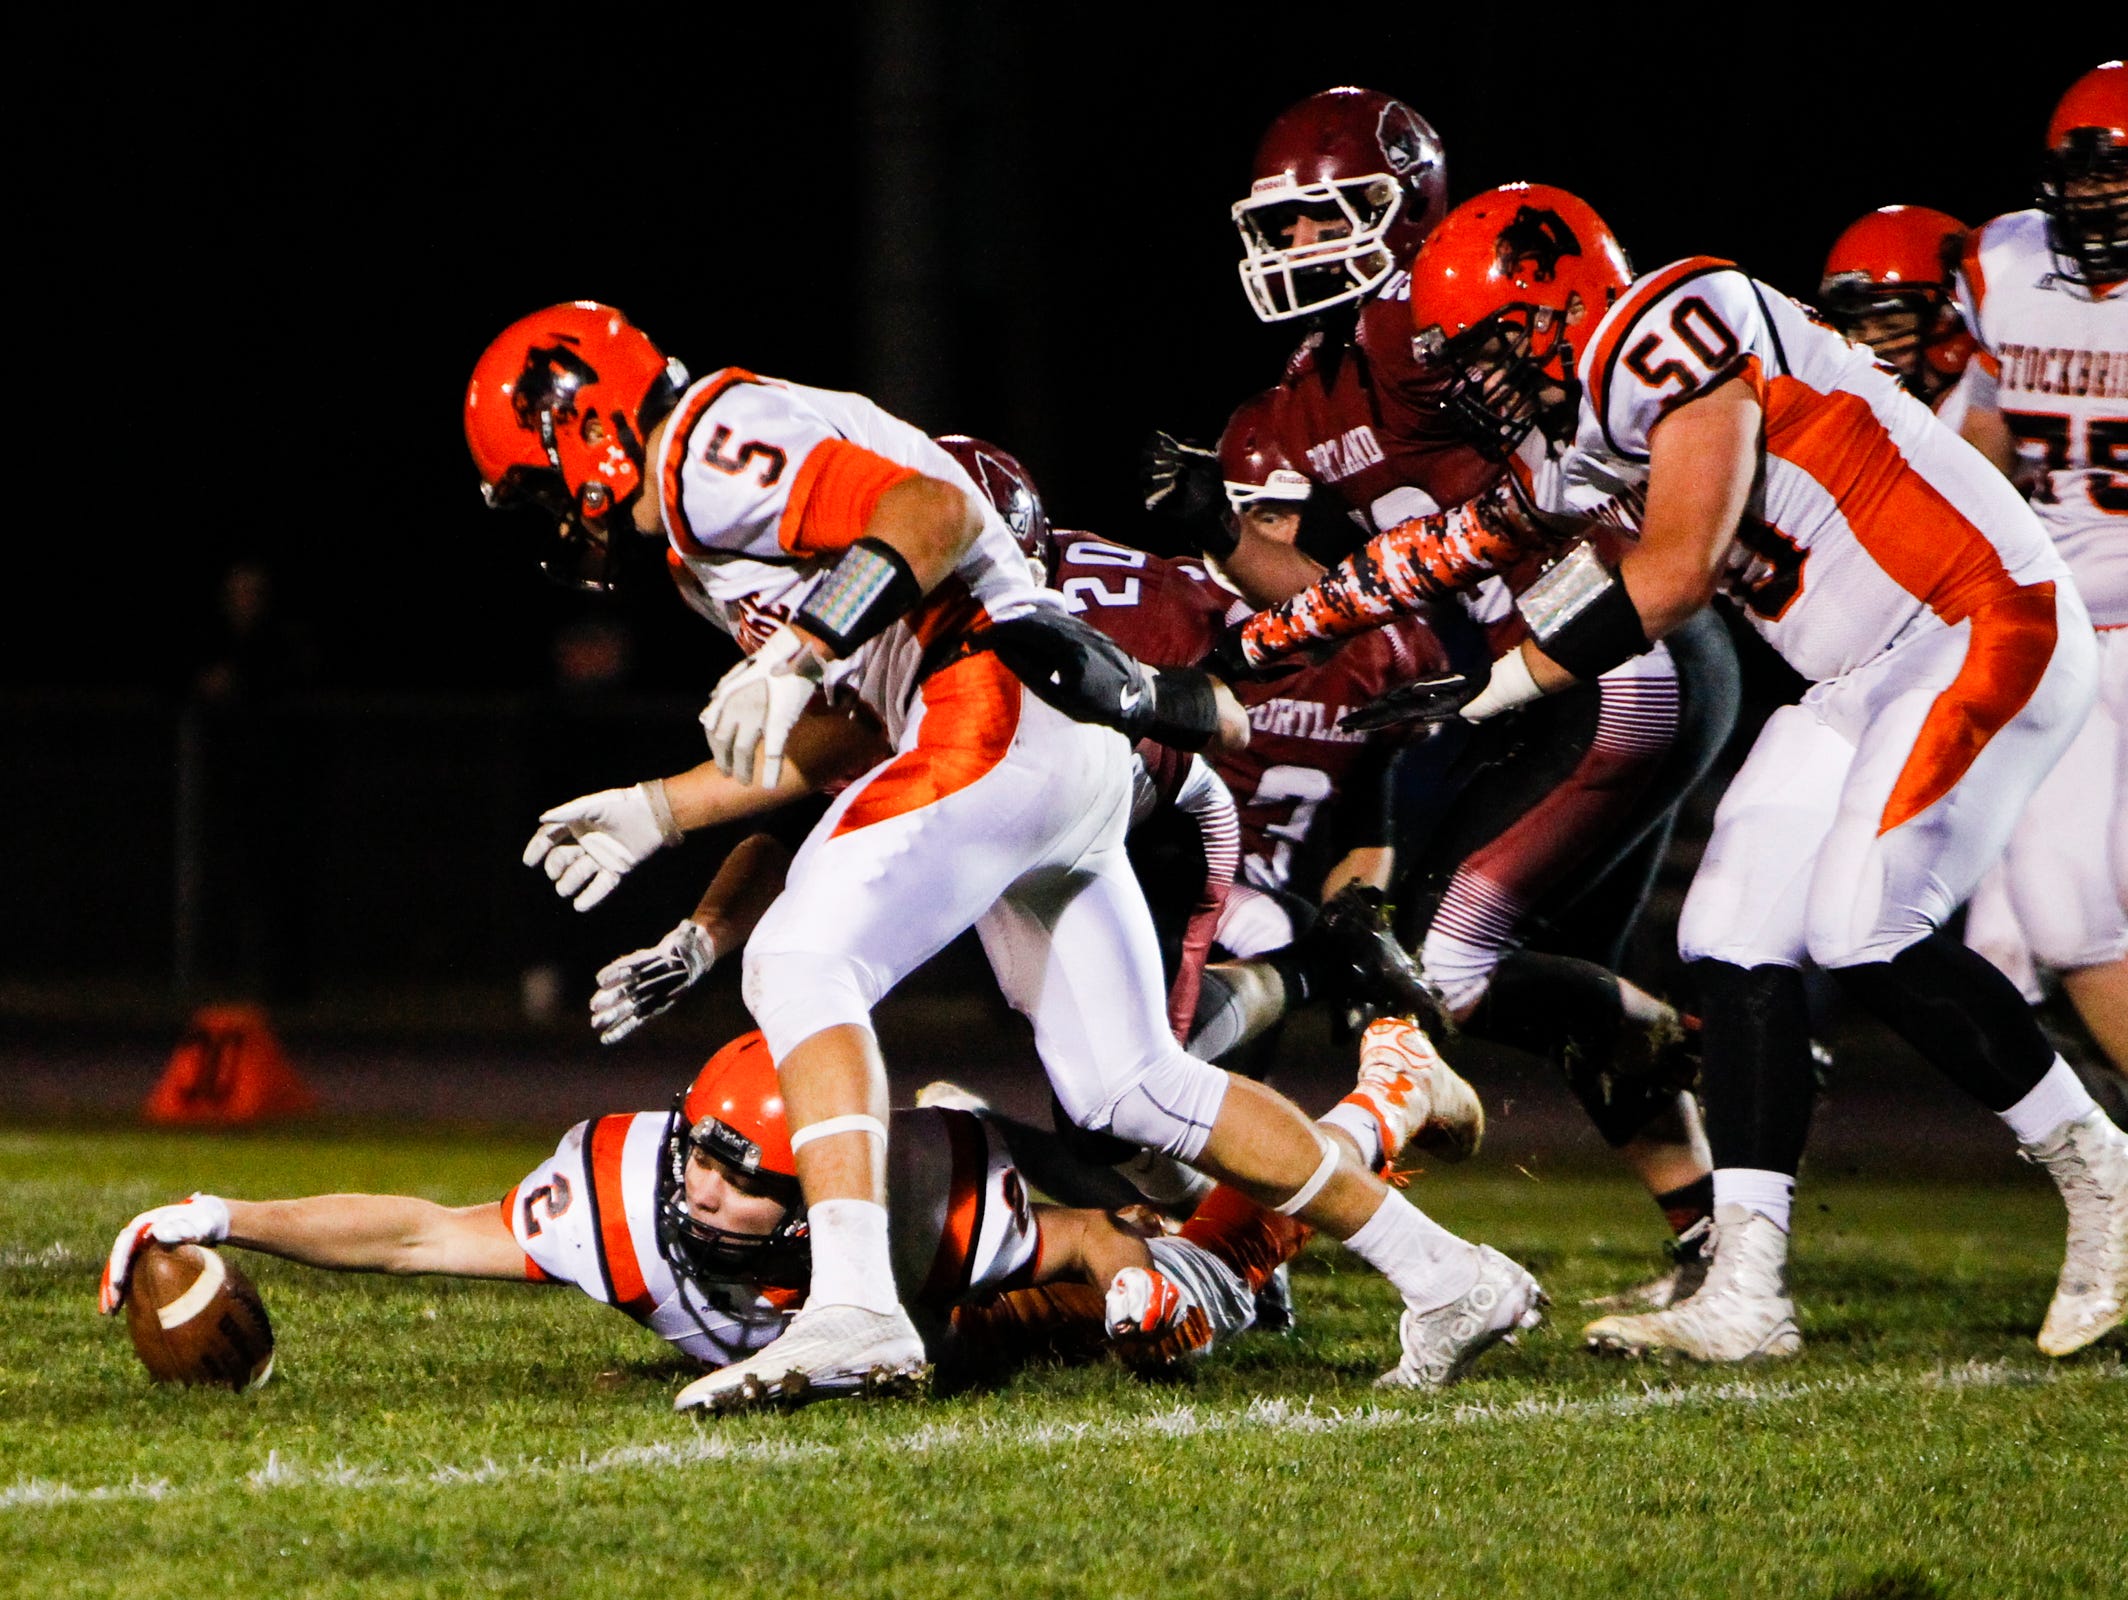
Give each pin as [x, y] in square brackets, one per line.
[1392, 575]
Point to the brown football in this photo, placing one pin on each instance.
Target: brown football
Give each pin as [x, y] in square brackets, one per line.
[195, 1318]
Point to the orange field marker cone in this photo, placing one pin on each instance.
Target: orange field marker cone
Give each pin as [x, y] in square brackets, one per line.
[228, 1069]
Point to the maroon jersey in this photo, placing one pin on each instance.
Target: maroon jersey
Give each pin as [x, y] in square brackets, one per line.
[1299, 763]
[1363, 418]
[1300, 767]
[1166, 613]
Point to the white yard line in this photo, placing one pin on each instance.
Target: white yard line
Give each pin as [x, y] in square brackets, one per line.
[1258, 1416]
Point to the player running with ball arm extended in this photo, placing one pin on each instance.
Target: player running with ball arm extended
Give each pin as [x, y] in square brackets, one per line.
[853, 559]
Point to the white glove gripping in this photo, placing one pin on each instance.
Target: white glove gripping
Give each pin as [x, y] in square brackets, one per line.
[643, 983]
[758, 702]
[202, 1219]
[590, 844]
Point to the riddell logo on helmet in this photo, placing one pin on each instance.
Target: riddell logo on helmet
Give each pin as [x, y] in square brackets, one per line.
[1538, 237]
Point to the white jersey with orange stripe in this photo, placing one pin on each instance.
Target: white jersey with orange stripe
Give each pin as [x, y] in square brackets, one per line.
[587, 1216]
[753, 509]
[963, 1227]
[2053, 358]
[1870, 521]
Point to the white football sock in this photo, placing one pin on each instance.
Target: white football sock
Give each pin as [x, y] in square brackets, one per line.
[1360, 1123]
[1770, 1194]
[1428, 1265]
[851, 1262]
[2057, 1098]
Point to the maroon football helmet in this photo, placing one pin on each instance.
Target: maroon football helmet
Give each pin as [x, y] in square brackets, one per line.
[1253, 464]
[1008, 486]
[1346, 184]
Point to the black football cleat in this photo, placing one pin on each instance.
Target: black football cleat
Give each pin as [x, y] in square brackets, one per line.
[1352, 950]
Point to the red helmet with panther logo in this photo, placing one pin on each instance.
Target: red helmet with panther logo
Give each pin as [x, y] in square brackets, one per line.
[1009, 487]
[1505, 292]
[732, 1114]
[1887, 284]
[556, 415]
[2083, 187]
[1344, 187]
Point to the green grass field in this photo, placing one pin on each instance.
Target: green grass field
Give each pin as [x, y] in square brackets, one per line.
[423, 1437]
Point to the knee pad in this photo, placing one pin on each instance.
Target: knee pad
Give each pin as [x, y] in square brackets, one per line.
[1169, 1104]
[794, 994]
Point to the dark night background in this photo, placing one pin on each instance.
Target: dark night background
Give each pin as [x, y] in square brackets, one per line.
[270, 254]
[256, 262]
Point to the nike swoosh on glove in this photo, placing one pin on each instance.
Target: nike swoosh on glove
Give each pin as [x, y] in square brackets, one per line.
[1083, 673]
[1434, 699]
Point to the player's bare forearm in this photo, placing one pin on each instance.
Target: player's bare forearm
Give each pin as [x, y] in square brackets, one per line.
[1087, 1246]
[745, 886]
[824, 746]
[1703, 460]
[1371, 865]
[931, 524]
[1986, 431]
[380, 1233]
[1268, 570]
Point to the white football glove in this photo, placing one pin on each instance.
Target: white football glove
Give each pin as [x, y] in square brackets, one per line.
[758, 702]
[203, 1219]
[643, 983]
[590, 844]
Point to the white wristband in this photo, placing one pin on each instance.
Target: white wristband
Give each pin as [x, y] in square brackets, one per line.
[828, 1127]
[661, 811]
[1510, 685]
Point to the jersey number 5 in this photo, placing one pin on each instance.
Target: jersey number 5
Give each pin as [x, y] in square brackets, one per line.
[771, 458]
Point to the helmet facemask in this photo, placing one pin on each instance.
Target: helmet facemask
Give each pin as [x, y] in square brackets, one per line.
[1513, 371]
[1285, 280]
[1914, 331]
[700, 1252]
[2083, 189]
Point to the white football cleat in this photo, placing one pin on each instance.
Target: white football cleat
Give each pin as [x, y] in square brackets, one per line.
[1415, 1095]
[1691, 1254]
[1741, 1313]
[1440, 1345]
[2088, 1160]
[825, 1352]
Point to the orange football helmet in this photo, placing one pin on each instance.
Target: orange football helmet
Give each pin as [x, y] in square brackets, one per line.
[2083, 186]
[1504, 292]
[556, 415]
[732, 1114]
[1887, 284]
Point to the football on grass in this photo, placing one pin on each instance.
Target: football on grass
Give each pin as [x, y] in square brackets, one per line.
[195, 1318]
